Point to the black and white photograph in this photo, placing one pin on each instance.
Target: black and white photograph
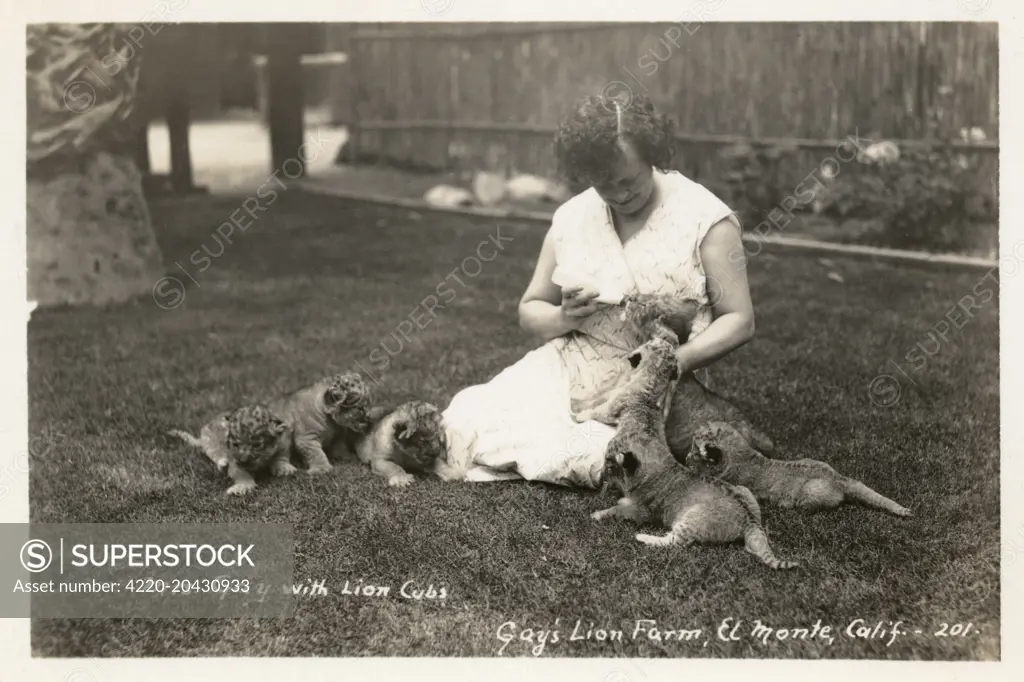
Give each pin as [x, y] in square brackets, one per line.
[623, 335]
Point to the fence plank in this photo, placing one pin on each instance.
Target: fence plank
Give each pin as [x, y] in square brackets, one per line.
[806, 85]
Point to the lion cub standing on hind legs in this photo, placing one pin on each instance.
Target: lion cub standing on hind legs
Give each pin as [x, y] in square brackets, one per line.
[655, 486]
[648, 315]
[689, 402]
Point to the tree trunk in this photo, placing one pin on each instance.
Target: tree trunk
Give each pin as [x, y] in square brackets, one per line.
[285, 97]
[90, 239]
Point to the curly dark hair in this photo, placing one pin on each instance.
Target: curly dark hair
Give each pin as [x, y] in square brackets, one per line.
[586, 144]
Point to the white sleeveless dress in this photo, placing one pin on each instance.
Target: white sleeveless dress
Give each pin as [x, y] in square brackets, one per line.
[519, 424]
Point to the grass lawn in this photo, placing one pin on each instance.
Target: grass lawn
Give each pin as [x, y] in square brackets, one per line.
[316, 284]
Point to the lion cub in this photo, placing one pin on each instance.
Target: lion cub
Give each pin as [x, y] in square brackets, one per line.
[691, 402]
[609, 407]
[720, 450]
[648, 315]
[334, 408]
[410, 438]
[243, 442]
[647, 312]
[655, 487]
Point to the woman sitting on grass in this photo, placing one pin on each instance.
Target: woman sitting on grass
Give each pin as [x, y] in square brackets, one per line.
[640, 227]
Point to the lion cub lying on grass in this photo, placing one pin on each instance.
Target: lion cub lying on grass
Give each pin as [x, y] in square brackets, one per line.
[410, 438]
[244, 442]
[655, 486]
[720, 450]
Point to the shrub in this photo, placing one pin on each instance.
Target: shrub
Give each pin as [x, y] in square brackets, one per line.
[927, 196]
[924, 197]
[752, 180]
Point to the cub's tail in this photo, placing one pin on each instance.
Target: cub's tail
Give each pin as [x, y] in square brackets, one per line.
[865, 495]
[748, 501]
[756, 542]
[187, 437]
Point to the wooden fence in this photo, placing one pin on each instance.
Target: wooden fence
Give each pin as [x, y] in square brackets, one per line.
[442, 95]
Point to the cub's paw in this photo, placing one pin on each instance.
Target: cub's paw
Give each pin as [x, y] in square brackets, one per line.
[318, 469]
[401, 480]
[240, 489]
[583, 416]
[449, 474]
[282, 469]
[600, 514]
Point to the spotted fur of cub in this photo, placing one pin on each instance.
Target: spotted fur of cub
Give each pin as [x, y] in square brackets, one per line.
[646, 312]
[649, 316]
[720, 450]
[691, 403]
[655, 487]
[335, 408]
[243, 442]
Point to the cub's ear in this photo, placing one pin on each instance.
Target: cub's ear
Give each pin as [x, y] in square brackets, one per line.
[629, 462]
[279, 427]
[634, 358]
[403, 431]
[333, 396]
[713, 454]
[673, 375]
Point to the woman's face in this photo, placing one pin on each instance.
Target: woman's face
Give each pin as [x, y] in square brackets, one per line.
[630, 185]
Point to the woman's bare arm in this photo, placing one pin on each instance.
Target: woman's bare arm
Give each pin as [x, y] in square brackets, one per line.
[545, 310]
[725, 266]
